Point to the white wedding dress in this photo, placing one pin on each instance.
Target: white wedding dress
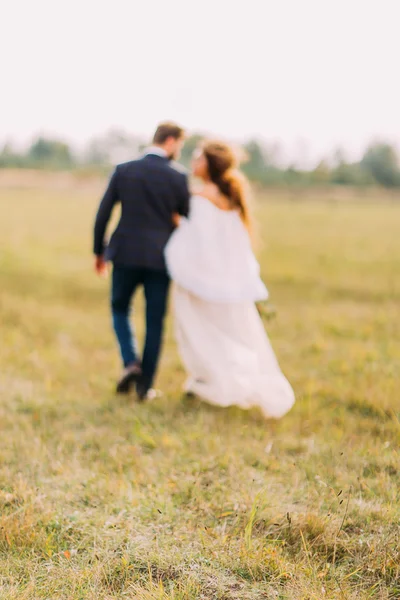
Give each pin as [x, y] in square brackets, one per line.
[220, 335]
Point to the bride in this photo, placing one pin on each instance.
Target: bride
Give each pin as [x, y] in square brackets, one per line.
[220, 335]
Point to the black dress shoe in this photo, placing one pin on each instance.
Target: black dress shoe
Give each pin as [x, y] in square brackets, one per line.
[129, 377]
[141, 392]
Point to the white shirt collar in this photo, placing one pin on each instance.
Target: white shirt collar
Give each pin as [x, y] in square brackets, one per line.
[157, 151]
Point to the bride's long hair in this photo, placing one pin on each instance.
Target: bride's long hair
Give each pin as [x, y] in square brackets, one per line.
[224, 173]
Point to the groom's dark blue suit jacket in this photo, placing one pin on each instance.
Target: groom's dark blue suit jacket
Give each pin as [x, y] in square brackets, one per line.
[150, 190]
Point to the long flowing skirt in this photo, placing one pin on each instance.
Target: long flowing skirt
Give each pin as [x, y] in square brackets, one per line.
[228, 357]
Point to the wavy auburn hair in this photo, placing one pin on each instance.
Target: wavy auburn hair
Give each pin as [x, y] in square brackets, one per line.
[223, 172]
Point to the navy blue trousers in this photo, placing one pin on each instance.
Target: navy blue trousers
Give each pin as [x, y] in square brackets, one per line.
[125, 281]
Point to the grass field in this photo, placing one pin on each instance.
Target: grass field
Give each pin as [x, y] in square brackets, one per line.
[101, 498]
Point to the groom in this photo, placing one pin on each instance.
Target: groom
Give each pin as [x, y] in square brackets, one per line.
[150, 190]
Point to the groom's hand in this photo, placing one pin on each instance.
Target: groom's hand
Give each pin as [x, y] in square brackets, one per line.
[100, 266]
[176, 219]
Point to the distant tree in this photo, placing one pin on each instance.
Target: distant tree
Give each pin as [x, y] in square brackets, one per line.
[343, 174]
[9, 157]
[275, 155]
[50, 152]
[190, 145]
[321, 174]
[381, 162]
[256, 165]
[293, 176]
[263, 164]
[349, 173]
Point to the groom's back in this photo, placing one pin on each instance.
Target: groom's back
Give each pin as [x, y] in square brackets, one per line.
[149, 190]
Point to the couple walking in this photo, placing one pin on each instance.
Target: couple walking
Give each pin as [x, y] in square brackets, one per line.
[201, 241]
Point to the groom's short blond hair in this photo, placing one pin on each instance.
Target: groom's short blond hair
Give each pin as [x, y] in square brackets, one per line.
[166, 130]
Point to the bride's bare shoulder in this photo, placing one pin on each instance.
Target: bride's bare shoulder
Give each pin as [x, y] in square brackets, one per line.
[210, 192]
[197, 189]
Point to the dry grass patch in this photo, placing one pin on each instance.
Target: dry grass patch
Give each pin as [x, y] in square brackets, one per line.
[101, 498]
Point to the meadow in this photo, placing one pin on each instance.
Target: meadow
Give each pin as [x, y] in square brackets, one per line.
[102, 498]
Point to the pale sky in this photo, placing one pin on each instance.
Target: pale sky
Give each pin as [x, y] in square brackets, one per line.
[322, 71]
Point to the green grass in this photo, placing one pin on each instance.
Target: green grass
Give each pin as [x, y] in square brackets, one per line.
[101, 498]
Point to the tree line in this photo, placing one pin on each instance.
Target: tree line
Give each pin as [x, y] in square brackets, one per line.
[379, 164]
